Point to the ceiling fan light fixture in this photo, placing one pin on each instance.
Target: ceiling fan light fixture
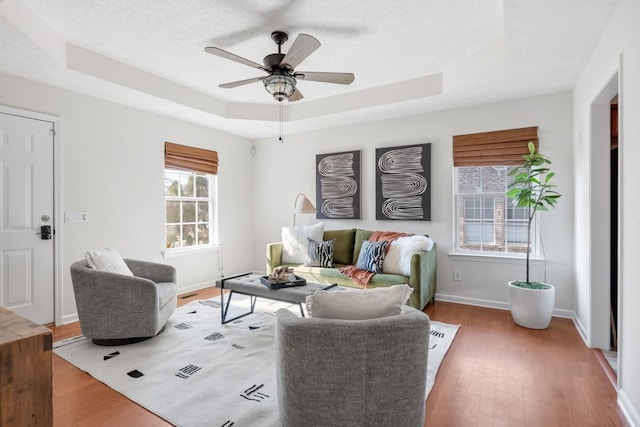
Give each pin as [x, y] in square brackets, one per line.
[281, 86]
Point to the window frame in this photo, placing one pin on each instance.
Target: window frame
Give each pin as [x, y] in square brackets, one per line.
[500, 216]
[212, 203]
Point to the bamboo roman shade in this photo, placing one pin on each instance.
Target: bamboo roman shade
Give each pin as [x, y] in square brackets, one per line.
[497, 148]
[178, 156]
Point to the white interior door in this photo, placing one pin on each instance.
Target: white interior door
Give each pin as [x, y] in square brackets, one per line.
[26, 204]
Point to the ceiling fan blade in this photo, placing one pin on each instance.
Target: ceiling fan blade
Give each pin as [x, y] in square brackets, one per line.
[314, 76]
[228, 55]
[295, 96]
[303, 46]
[241, 82]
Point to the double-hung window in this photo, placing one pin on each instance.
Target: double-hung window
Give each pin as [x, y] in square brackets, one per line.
[486, 221]
[188, 205]
[190, 189]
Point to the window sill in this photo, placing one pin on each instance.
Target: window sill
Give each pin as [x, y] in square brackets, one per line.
[508, 259]
[176, 252]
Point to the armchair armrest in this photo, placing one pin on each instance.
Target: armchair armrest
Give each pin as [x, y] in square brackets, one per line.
[274, 256]
[153, 271]
[423, 277]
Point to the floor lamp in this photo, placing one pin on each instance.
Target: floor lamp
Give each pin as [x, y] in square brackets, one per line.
[304, 207]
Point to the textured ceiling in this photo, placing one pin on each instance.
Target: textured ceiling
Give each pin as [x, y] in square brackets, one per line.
[409, 56]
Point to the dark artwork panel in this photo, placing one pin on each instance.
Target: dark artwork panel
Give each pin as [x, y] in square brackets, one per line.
[338, 185]
[403, 183]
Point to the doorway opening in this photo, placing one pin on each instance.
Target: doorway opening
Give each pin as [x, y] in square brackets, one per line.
[611, 355]
[604, 224]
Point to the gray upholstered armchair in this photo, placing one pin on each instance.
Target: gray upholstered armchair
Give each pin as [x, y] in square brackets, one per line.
[116, 309]
[352, 372]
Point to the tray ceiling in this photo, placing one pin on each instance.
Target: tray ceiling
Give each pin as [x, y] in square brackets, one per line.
[409, 56]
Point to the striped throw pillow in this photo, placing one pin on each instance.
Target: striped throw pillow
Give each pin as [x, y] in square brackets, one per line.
[320, 254]
[372, 256]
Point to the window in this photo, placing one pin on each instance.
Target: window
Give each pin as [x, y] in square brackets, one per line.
[189, 208]
[190, 190]
[486, 220]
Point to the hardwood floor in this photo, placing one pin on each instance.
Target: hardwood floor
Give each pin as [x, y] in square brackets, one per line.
[495, 374]
[499, 374]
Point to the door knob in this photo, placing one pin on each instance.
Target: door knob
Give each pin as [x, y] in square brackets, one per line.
[45, 232]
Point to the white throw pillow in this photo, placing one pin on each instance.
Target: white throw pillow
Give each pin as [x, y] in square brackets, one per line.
[294, 241]
[107, 260]
[398, 258]
[359, 304]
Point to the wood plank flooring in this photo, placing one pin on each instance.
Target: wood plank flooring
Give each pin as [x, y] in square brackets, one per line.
[495, 374]
[499, 374]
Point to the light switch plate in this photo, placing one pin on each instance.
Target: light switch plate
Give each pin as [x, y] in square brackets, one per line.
[76, 216]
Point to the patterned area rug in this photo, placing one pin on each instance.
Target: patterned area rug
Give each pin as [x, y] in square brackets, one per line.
[201, 373]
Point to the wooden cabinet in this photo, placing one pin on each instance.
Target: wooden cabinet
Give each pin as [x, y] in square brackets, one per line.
[26, 392]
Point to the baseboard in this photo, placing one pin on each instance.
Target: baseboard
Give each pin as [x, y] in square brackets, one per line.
[69, 318]
[500, 305]
[564, 313]
[581, 329]
[630, 413]
[196, 287]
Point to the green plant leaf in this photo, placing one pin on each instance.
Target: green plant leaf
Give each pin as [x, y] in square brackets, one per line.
[531, 186]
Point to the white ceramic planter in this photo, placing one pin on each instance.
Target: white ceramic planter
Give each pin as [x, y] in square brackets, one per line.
[531, 308]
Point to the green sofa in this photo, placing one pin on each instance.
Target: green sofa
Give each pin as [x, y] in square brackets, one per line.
[346, 251]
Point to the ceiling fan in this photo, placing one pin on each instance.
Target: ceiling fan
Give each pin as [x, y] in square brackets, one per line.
[281, 78]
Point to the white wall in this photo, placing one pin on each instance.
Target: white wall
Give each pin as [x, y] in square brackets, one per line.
[112, 167]
[284, 170]
[618, 45]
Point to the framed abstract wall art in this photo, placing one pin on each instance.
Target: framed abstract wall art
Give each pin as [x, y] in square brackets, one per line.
[403, 183]
[338, 185]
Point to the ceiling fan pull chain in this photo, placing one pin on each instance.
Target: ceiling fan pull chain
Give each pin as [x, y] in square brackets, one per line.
[281, 122]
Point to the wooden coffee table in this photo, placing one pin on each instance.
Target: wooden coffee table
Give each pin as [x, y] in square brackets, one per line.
[249, 284]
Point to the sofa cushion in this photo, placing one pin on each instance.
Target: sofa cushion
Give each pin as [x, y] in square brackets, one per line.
[343, 247]
[358, 304]
[361, 236]
[372, 256]
[294, 241]
[333, 275]
[319, 254]
[108, 260]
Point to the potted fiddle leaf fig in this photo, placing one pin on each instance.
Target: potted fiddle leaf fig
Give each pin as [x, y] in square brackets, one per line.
[532, 302]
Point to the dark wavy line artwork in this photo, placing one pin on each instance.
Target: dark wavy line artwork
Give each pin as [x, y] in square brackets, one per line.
[338, 185]
[403, 183]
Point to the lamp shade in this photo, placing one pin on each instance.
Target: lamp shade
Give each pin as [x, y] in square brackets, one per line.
[281, 86]
[304, 206]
